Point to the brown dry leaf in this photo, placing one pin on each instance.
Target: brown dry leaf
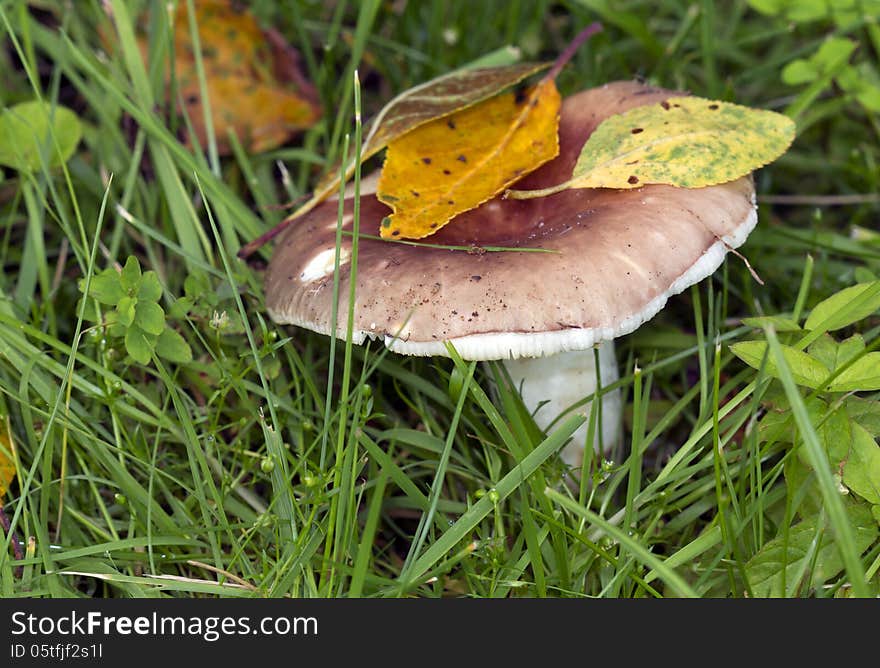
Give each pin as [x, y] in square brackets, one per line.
[456, 163]
[439, 100]
[431, 100]
[253, 79]
[421, 104]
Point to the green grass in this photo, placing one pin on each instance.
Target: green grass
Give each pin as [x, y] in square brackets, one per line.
[279, 463]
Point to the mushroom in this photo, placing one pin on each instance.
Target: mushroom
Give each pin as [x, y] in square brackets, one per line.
[617, 256]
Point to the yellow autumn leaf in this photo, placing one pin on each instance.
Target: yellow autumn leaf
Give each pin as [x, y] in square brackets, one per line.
[7, 463]
[253, 78]
[689, 142]
[454, 164]
[230, 38]
[267, 116]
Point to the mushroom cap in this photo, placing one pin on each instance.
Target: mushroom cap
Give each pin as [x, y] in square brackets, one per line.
[617, 256]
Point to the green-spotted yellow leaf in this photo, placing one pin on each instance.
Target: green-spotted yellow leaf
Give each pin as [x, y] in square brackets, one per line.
[689, 142]
[805, 369]
[31, 129]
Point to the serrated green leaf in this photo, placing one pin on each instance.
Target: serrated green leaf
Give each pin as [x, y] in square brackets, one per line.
[27, 130]
[105, 287]
[806, 370]
[782, 561]
[130, 276]
[150, 288]
[862, 470]
[150, 317]
[838, 310]
[173, 347]
[139, 344]
[780, 323]
[862, 376]
[689, 142]
[125, 310]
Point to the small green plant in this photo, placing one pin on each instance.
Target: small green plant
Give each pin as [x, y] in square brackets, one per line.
[830, 64]
[859, 81]
[213, 307]
[137, 317]
[844, 13]
[846, 426]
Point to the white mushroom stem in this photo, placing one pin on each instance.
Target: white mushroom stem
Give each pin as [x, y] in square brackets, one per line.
[551, 384]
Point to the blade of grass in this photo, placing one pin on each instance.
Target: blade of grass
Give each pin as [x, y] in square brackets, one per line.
[636, 549]
[506, 486]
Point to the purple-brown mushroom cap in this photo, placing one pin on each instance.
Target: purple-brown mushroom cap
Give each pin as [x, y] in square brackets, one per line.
[617, 257]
